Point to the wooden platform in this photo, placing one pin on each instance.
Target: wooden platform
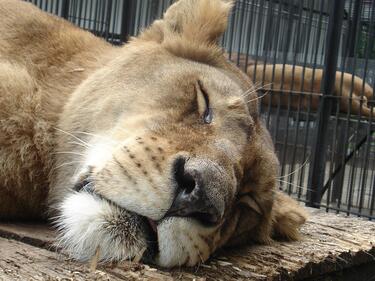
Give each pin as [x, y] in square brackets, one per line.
[333, 248]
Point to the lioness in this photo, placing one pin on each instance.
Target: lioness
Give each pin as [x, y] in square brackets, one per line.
[152, 150]
[353, 93]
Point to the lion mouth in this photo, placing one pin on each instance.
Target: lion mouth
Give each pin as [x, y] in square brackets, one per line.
[152, 243]
[153, 224]
[153, 246]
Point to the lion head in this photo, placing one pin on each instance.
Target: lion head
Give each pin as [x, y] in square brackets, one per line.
[168, 159]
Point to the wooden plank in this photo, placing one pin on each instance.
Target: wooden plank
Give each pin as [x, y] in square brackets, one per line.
[40, 235]
[20, 261]
[330, 244]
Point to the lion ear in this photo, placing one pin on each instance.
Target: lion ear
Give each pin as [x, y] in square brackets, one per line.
[191, 28]
[197, 20]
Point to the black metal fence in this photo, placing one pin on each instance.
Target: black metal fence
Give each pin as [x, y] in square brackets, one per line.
[326, 150]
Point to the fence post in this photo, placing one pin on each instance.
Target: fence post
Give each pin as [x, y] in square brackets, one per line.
[320, 141]
[127, 25]
[353, 27]
[65, 9]
[108, 19]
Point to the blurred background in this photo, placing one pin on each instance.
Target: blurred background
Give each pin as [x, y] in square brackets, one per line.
[327, 152]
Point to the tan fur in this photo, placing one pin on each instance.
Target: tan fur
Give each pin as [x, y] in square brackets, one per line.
[42, 60]
[293, 82]
[200, 30]
[286, 79]
[74, 107]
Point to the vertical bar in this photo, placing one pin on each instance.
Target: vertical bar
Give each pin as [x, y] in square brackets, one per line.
[96, 20]
[232, 23]
[353, 27]
[249, 42]
[343, 141]
[366, 167]
[369, 39]
[57, 8]
[140, 16]
[317, 168]
[241, 24]
[277, 42]
[79, 15]
[127, 20]
[65, 9]
[248, 28]
[308, 119]
[339, 148]
[108, 18]
[114, 22]
[269, 31]
[72, 10]
[352, 173]
[285, 57]
[102, 17]
[296, 131]
[91, 22]
[369, 50]
[272, 94]
[86, 21]
[258, 34]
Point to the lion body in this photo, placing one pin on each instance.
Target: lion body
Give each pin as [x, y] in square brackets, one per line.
[301, 87]
[74, 108]
[42, 60]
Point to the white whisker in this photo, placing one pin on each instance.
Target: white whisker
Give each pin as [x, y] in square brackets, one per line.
[69, 152]
[257, 98]
[77, 143]
[65, 164]
[295, 185]
[254, 89]
[98, 136]
[73, 136]
[251, 90]
[296, 170]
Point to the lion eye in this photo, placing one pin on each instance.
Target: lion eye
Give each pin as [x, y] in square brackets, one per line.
[207, 116]
[205, 104]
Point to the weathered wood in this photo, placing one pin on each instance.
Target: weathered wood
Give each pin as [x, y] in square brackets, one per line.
[39, 235]
[20, 261]
[330, 245]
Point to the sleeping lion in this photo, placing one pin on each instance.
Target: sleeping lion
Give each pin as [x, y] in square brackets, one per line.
[154, 150]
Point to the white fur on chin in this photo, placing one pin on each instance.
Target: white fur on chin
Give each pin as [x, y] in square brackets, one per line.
[183, 241]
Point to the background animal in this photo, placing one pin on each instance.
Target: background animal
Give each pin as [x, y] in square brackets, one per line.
[305, 84]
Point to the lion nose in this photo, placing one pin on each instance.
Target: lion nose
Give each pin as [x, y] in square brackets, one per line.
[191, 199]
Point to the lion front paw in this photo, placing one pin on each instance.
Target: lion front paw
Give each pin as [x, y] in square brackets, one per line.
[288, 216]
[87, 223]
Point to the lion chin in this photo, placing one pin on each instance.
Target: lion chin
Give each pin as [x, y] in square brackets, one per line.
[153, 151]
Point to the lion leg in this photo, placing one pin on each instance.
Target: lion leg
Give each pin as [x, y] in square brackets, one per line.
[287, 217]
[357, 89]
